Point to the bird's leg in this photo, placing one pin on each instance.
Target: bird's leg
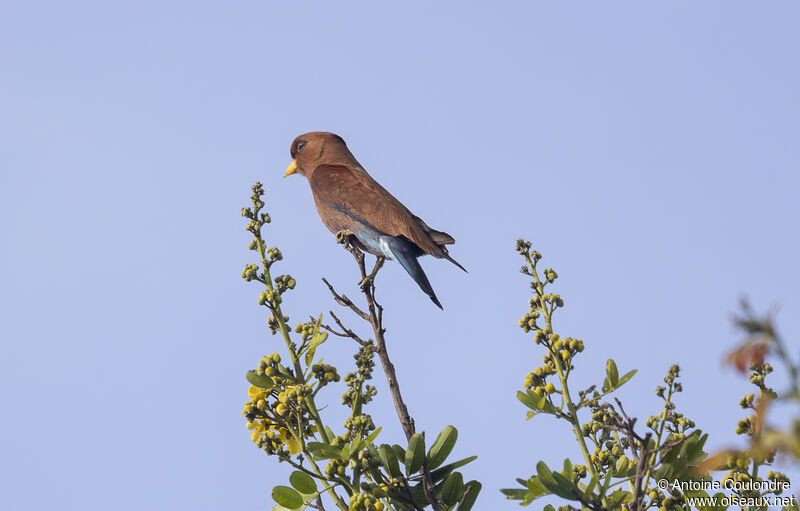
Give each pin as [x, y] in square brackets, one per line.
[343, 236]
[366, 281]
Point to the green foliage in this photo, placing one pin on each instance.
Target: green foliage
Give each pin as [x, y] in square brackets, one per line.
[618, 464]
[286, 422]
[621, 465]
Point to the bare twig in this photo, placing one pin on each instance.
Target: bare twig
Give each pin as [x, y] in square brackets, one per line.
[346, 332]
[642, 453]
[344, 301]
[318, 505]
[374, 316]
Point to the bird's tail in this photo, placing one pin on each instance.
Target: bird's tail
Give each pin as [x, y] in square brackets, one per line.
[447, 256]
[404, 254]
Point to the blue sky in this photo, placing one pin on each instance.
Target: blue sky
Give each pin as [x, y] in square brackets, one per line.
[649, 150]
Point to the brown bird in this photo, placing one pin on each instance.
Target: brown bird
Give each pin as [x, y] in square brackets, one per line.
[349, 200]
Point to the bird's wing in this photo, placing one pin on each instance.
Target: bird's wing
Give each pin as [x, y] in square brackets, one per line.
[361, 197]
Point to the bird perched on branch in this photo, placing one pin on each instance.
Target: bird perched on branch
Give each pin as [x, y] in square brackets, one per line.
[351, 203]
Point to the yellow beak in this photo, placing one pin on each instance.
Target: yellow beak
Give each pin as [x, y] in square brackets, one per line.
[291, 169]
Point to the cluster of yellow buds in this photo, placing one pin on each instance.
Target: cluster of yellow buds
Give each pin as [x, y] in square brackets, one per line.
[550, 275]
[538, 378]
[254, 225]
[778, 477]
[354, 381]
[274, 325]
[284, 282]
[305, 330]
[270, 298]
[565, 348]
[747, 401]
[553, 299]
[365, 462]
[365, 502]
[612, 456]
[360, 425]
[528, 321]
[269, 366]
[250, 272]
[364, 361]
[758, 377]
[390, 484]
[578, 472]
[672, 502]
[257, 402]
[291, 398]
[523, 246]
[335, 468]
[270, 441]
[741, 476]
[325, 373]
[274, 254]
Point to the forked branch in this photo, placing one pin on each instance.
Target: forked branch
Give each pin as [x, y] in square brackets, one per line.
[374, 316]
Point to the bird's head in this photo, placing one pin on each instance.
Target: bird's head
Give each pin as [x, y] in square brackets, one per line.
[316, 148]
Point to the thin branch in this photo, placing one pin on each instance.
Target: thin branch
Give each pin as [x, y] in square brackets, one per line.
[344, 301]
[318, 504]
[346, 332]
[374, 316]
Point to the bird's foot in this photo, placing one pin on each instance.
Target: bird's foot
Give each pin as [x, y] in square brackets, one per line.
[370, 279]
[343, 237]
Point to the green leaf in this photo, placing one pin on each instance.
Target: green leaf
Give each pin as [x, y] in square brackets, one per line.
[616, 499]
[567, 470]
[261, 381]
[440, 473]
[622, 381]
[611, 373]
[442, 447]
[547, 479]
[317, 339]
[470, 495]
[371, 438]
[419, 494]
[453, 488]
[566, 489]
[531, 400]
[323, 451]
[606, 484]
[590, 487]
[287, 497]
[303, 482]
[694, 449]
[400, 452]
[535, 487]
[356, 445]
[415, 454]
[545, 474]
[513, 493]
[548, 507]
[387, 456]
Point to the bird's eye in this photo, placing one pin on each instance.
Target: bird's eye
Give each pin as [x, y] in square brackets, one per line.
[300, 145]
